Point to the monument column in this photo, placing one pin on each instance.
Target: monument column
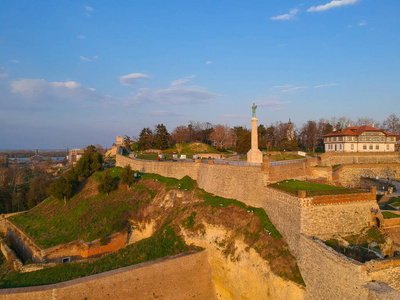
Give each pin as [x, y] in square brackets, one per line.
[254, 156]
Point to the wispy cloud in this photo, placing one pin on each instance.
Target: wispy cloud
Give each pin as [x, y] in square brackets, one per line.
[40, 90]
[163, 113]
[273, 104]
[285, 17]
[325, 85]
[209, 62]
[282, 86]
[15, 61]
[3, 73]
[173, 95]
[362, 23]
[83, 58]
[183, 80]
[88, 10]
[332, 4]
[132, 78]
[81, 37]
[292, 89]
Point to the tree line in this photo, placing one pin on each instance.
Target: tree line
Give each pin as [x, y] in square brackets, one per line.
[275, 136]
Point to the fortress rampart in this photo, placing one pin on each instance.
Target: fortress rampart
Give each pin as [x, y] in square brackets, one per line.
[185, 276]
[350, 175]
[335, 158]
[75, 250]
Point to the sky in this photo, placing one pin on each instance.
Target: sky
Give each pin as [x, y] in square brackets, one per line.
[75, 73]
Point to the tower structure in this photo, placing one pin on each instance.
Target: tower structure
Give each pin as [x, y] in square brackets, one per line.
[254, 156]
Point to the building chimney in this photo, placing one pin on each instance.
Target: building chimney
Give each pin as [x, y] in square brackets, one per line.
[349, 125]
[334, 129]
[373, 125]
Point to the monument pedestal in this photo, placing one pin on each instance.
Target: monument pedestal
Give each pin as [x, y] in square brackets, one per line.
[254, 156]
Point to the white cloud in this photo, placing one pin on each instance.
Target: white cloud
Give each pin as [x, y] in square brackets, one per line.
[332, 4]
[15, 61]
[96, 57]
[184, 95]
[208, 62]
[85, 58]
[362, 23]
[325, 85]
[282, 86]
[163, 113]
[3, 73]
[183, 80]
[89, 10]
[292, 89]
[288, 16]
[40, 90]
[132, 78]
[82, 37]
[274, 104]
[173, 95]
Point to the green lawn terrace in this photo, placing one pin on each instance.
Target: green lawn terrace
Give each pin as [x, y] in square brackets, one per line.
[311, 189]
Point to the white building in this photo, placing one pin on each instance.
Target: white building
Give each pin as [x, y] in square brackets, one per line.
[360, 139]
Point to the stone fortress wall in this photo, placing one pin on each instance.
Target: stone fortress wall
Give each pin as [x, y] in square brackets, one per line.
[294, 217]
[181, 277]
[335, 158]
[75, 250]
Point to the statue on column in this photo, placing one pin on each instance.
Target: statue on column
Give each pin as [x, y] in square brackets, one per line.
[254, 107]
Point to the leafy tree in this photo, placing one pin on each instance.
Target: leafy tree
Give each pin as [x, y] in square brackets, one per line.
[243, 142]
[38, 189]
[127, 142]
[181, 135]
[61, 188]
[162, 139]
[107, 183]
[145, 139]
[127, 176]
[96, 162]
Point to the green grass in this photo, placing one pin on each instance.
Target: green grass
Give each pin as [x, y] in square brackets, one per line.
[390, 215]
[394, 201]
[161, 244]
[186, 183]
[52, 223]
[313, 189]
[219, 202]
[115, 174]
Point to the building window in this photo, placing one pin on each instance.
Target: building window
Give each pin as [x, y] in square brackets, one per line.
[364, 147]
[387, 147]
[377, 147]
[352, 146]
[371, 147]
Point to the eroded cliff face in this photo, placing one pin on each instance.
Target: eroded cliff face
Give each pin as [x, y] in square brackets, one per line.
[242, 273]
[240, 254]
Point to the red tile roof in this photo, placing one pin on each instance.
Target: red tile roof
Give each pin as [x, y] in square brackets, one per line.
[354, 131]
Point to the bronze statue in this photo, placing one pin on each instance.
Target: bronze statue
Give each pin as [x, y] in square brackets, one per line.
[254, 107]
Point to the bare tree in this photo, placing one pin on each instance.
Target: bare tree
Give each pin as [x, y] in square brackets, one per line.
[392, 124]
[222, 136]
[367, 121]
[181, 134]
[309, 135]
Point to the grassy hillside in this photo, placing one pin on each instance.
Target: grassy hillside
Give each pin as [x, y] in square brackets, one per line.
[167, 201]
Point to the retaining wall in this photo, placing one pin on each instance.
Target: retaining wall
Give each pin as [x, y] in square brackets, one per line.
[331, 275]
[185, 276]
[76, 250]
[335, 158]
[350, 175]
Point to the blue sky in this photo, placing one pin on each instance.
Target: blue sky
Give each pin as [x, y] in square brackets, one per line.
[81, 72]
